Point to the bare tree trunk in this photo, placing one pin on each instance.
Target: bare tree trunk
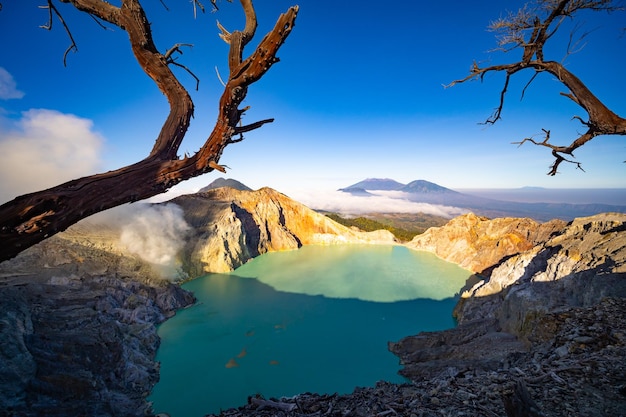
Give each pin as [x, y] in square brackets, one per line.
[34, 217]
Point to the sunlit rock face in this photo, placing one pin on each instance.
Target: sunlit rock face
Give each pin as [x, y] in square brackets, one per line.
[232, 226]
[478, 243]
[577, 267]
[528, 268]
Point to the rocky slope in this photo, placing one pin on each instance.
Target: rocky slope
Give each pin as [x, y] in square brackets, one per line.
[78, 327]
[555, 315]
[575, 268]
[231, 227]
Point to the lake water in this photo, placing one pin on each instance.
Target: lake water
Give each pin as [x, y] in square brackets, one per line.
[313, 320]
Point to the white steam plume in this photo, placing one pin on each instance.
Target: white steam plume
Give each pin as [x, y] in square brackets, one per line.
[156, 234]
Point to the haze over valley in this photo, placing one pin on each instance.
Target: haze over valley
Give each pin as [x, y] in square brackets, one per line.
[385, 195]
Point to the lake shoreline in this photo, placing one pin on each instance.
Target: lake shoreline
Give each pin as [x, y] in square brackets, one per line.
[310, 320]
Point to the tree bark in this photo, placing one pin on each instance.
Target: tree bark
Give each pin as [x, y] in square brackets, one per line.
[31, 218]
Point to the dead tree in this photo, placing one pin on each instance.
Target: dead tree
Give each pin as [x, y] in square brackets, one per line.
[528, 30]
[31, 218]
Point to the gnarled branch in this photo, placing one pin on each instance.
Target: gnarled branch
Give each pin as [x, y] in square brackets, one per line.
[529, 31]
[30, 218]
[557, 151]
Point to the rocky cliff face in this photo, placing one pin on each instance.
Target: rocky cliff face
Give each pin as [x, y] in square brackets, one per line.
[478, 243]
[232, 226]
[577, 267]
[78, 327]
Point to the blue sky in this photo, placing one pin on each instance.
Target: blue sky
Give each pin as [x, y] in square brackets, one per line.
[358, 93]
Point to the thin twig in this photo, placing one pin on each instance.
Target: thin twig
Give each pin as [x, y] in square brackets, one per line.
[52, 8]
[49, 7]
[170, 60]
[219, 77]
[188, 70]
[201, 6]
[98, 22]
[528, 84]
[252, 126]
[176, 48]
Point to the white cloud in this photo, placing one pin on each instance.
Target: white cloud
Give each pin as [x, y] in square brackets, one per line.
[46, 148]
[337, 201]
[8, 87]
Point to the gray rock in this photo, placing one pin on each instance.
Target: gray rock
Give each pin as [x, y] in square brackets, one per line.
[579, 266]
[73, 343]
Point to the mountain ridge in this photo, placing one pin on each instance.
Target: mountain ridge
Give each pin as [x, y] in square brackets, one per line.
[385, 184]
[426, 187]
[423, 191]
[388, 184]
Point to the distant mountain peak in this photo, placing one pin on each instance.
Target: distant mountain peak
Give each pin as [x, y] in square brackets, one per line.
[387, 184]
[380, 184]
[356, 191]
[225, 182]
[425, 187]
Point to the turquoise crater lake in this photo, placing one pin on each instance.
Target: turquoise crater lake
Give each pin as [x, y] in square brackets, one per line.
[313, 320]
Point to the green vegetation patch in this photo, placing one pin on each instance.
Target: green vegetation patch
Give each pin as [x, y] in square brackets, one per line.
[404, 226]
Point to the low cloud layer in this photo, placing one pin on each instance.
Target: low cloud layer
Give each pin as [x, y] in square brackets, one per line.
[381, 202]
[45, 148]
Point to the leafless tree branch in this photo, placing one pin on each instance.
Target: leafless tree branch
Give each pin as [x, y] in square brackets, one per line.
[30, 218]
[171, 60]
[251, 126]
[529, 29]
[219, 77]
[52, 9]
